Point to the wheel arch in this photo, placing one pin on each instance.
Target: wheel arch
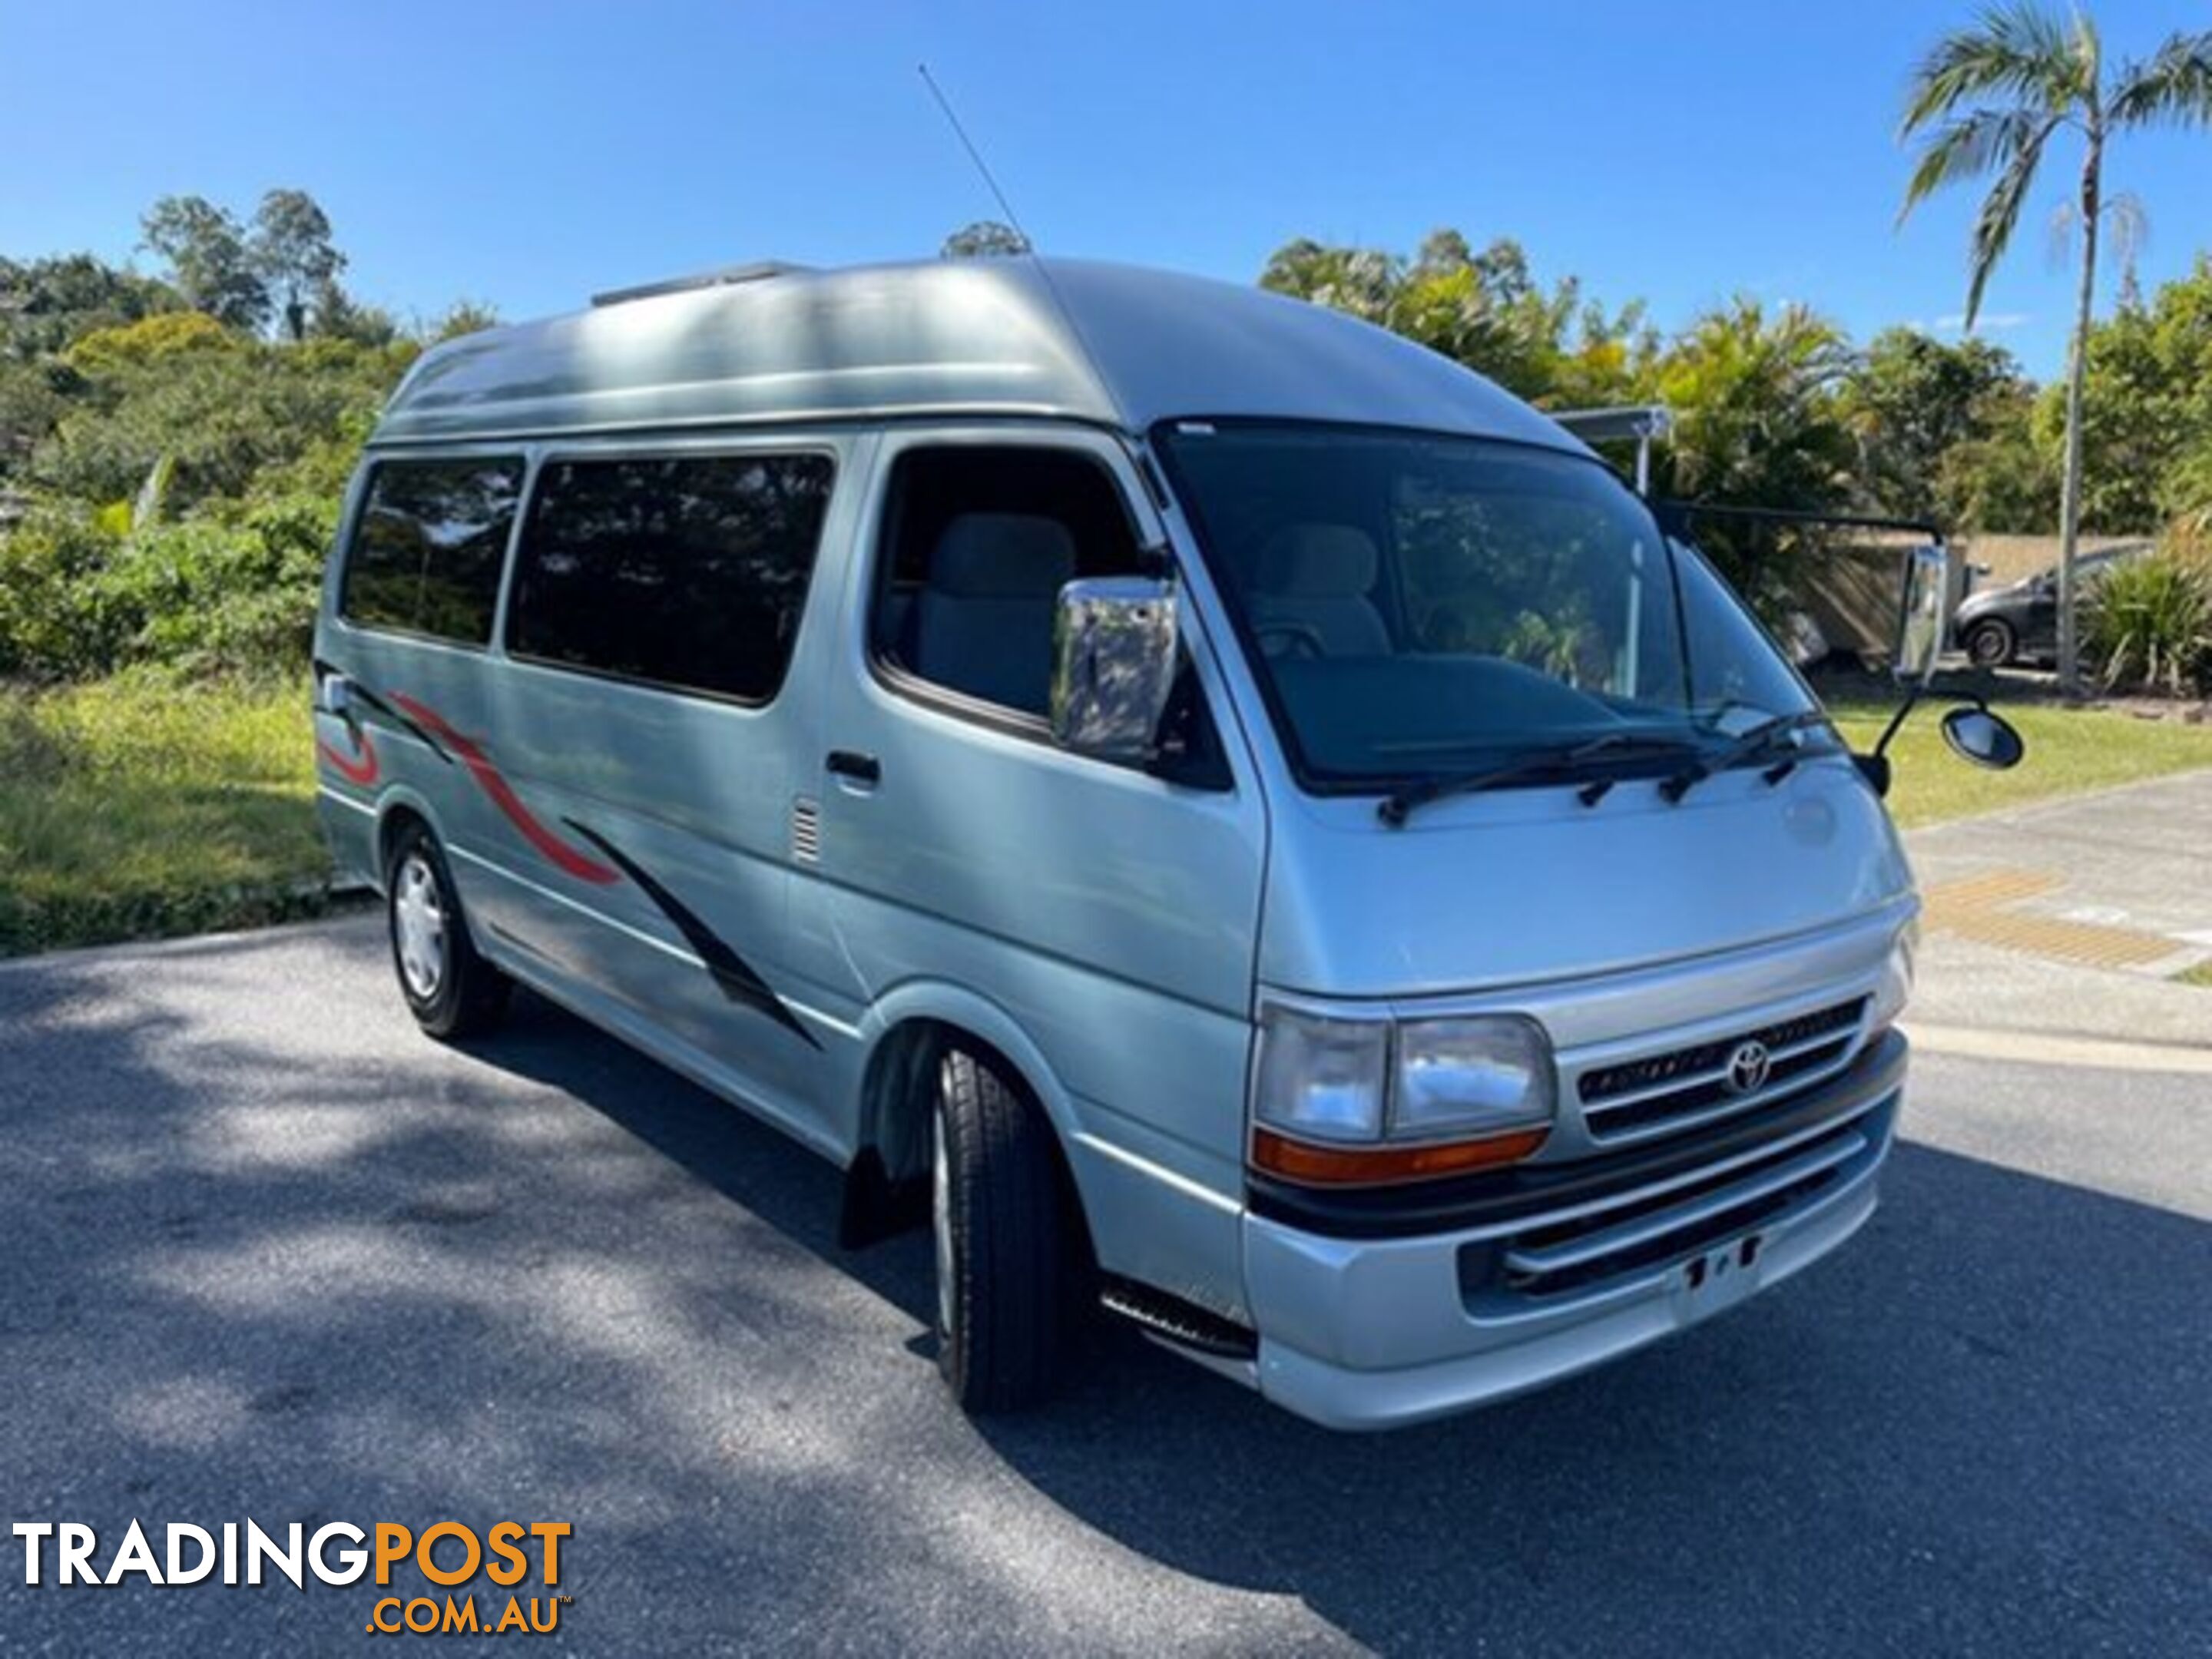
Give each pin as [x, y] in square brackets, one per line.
[907, 1033]
[399, 807]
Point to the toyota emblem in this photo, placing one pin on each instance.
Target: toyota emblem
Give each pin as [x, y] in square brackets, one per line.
[1747, 1068]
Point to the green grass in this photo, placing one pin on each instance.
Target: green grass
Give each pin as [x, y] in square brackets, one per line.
[137, 808]
[2199, 974]
[2068, 751]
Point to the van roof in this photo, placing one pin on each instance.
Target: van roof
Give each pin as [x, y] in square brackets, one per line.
[1115, 345]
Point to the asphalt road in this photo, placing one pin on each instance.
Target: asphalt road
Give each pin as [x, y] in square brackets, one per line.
[266, 1252]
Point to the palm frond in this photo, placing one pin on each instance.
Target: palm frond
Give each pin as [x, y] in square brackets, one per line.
[2022, 52]
[2127, 222]
[1969, 147]
[2130, 227]
[2088, 57]
[2174, 84]
[2000, 213]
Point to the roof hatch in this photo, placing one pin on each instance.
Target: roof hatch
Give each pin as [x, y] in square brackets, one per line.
[758, 270]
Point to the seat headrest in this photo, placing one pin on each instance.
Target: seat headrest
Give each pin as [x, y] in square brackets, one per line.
[1316, 561]
[1002, 556]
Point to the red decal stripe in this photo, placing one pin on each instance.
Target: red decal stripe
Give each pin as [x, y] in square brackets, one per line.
[503, 794]
[363, 771]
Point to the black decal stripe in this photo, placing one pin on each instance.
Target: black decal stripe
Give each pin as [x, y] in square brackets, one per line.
[403, 721]
[733, 973]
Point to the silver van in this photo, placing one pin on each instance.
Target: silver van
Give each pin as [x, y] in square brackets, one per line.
[1224, 815]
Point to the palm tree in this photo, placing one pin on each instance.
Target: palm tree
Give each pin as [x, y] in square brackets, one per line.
[1988, 100]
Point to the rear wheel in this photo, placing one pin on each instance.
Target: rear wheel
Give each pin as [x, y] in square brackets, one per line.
[1005, 1241]
[450, 989]
[1990, 644]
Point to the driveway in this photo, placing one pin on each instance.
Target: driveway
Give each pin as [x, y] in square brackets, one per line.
[268, 1253]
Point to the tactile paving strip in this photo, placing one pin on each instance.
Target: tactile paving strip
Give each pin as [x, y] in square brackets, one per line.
[1980, 908]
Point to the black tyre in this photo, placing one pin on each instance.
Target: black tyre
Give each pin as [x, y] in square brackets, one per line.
[452, 991]
[1006, 1280]
[1990, 644]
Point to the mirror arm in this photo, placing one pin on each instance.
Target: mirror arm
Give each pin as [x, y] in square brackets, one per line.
[1874, 766]
[1903, 711]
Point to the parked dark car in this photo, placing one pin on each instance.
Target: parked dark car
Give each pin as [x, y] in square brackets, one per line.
[2019, 623]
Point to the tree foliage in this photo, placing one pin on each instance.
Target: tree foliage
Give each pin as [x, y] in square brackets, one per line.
[46, 303]
[292, 255]
[986, 238]
[209, 263]
[1483, 308]
[1776, 406]
[1916, 401]
[1760, 421]
[1756, 392]
[170, 475]
[1986, 102]
[283, 267]
[2147, 409]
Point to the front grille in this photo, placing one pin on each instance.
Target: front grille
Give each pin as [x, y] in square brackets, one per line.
[1657, 1089]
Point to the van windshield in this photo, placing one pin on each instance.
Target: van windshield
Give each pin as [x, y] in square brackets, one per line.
[1418, 605]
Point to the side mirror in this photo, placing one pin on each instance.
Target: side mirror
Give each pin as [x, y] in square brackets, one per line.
[1113, 666]
[1920, 616]
[1985, 739]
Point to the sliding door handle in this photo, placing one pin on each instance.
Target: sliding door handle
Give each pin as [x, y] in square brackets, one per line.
[855, 771]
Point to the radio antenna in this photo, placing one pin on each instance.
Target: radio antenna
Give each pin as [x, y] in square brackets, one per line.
[991, 182]
[1029, 248]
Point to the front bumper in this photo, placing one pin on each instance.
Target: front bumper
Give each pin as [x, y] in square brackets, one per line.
[1525, 1281]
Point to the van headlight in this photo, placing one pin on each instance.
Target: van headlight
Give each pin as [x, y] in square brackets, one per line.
[1894, 989]
[1346, 1102]
[1479, 1076]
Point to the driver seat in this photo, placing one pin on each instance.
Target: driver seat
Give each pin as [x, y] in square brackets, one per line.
[1315, 579]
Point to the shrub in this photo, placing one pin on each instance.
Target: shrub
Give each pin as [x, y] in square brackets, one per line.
[55, 623]
[207, 596]
[227, 417]
[150, 341]
[2150, 623]
[213, 593]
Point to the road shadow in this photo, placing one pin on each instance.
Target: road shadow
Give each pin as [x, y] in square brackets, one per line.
[269, 1252]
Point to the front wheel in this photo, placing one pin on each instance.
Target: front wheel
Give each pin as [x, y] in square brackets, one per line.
[1990, 644]
[451, 990]
[1006, 1275]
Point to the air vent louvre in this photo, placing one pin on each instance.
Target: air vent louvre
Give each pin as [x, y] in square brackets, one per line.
[806, 829]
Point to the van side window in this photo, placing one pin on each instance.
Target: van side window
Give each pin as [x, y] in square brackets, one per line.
[686, 571]
[979, 541]
[428, 544]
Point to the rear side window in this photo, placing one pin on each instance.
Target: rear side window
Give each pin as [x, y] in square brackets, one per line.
[428, 544]
[690, 572]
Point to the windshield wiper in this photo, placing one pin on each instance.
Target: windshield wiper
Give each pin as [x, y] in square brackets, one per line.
[1400, 803]
[1748, 744]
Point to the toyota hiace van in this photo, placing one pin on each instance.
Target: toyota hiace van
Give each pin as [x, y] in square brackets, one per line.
[1215, 811]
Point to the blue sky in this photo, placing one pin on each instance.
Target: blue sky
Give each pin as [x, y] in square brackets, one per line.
[527, 154]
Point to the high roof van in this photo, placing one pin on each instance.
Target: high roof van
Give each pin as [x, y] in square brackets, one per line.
[1227, 816]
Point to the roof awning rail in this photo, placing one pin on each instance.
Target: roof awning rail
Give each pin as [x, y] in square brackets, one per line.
[1644, 424]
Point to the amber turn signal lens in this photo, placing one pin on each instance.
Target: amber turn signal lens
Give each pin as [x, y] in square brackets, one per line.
[1375, 1166]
